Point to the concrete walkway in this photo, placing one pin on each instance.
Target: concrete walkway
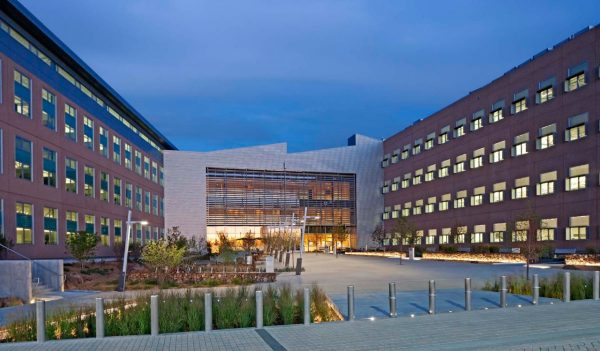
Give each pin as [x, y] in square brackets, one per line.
[565, 326]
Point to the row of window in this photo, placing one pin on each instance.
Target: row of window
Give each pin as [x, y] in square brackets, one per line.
[25, 217]
[121, 152]
[576, 180]
[577, 77]
[95, 184]
[546, 230]
[577, 129]
[68, 77]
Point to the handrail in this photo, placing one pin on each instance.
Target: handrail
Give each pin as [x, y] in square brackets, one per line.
[29, 259]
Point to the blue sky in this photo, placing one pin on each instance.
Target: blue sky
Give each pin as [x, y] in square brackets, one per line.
[222, 74]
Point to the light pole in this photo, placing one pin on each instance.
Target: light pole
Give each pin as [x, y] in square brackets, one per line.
[299, 263]
[123, 274]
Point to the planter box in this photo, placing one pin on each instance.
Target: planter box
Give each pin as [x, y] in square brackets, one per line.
[475, 257]
[582, 260]
[378, 254]
[191, 277]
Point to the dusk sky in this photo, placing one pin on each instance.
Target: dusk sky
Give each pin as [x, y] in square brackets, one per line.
[222, 74]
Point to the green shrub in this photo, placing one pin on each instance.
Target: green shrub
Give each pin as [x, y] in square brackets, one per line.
[286, 305]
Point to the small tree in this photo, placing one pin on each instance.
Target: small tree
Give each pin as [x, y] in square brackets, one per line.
[457, 231]
[379, 235]
[528, 224]
[174, 237]
[248, 241]
[82, 245]
[405, 231]
[340, 233]
[161, 254]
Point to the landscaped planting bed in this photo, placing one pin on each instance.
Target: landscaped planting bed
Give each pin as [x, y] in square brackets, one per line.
[552, 287]
[475, 257]
[232, 308]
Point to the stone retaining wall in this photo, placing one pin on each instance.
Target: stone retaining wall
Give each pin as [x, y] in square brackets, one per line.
[191, 277]
[475, 257]
[582, 260]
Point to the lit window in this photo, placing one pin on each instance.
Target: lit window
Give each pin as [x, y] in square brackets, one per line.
[444, 239]
[104, 181]
[519, 235]
[496, 196]
[429, 240]
[476, 238]
[545, 141]
[545, 95]
[138, 162]
[147, 205]
[575, 82]
[459, 131]
[48, 109]
[477, 162]
[576, 233]
[428, 144]
[88, 181]
[116, 149]
[575, 133]
[138, 198]
[50, 226]
[395, 214]
[49, 167]
[476, 200]
[395, 185]
[520, 105]
[128, 195]
[417, 210]
[22, 98]
[416, 180]
[118, 224]
[545, 188]
[70, 122]
[103, 144]
[117, 191]
[575, 183]
[23, 158]
[496, 116]
[146, 167]
[88, 132]
[105, 231]
[386, 188]
[497, 156]
[443, 206]
[476, 124]
[497, 237]
[154, 172]
[24, 225]
[128, 156]
[71, 223]
[459, 239]
[429, 208]
[459, 203]
[459, 167]
[405, 212]
[404, 154]
[519, 192]
[443, 138]
[429, 176]
[545, 234]
[520, 149]
[443, 172]
[405, 183]
[70, 175]
[385, 162]
[90, 224]
[416, 149]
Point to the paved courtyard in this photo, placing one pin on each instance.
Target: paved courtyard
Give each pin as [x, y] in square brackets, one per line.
[563, 326]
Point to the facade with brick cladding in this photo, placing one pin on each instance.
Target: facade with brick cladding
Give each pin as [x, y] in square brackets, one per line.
[74, 155]
[528, 142]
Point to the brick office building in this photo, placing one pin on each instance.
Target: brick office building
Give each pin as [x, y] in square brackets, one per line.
[73, 154]
[528, 142]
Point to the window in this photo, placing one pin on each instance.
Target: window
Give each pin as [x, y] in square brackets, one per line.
[520, 149]
[395, 214]
[496, 196]
[24, 225]
[497, 156]
[430, 240]
[154, 172]
[161, 203]
[417, 210]
[545, 188]
[429, 176]
[128, 195]
[576, 127]
[146, 167]
[405, 183]
[2, 232]
[48, 110]
[147, 202]
[385, 162]
[50, 226]
[90, 224]
[404, 155]
[416, 149]
[497, 237]
[147, 230]
[138, 198]
[88, 184]
[428, 144]
[116, 149]
[104, 181]
[459, 131]
[476, 238]
[576, 233]
[459, 203]
[70, 175]
[49, 167]
[396, 156]
[477, 123]
[575, 82]
[22, 99]
[117, 191]
[127, 156]
[545, 234]
[544, 95]
[519, 105]
[105, 231]
[118, 230]
[385, 215]
[459, 167]
[103, 144]
[88, 133]
[496, 116]
[443, 172]
[519, 235]
[577, 178]
[416, 180]
[23, 158]
[443, 206]
[444, 239]
[405, 212]
[459, 239]
[138, 231]
[70, 122]
[155, 204]
[429, 208]
[545, 137]
[476, 162]
[386, 187]
[476, 200]
[395, 184]
[71, 222]
[443, 138]
[519, 192]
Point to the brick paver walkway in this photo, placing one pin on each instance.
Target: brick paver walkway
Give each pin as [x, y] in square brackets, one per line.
[563, 326]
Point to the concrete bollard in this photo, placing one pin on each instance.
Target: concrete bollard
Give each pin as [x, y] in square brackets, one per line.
[208, 320]
[306, 306]
[99, 317]
[536, 290]
[287, 259]
[259, 309]
[392, 295]
[567, 287]
[596, 285]
[432, 297]
[468, 293]
[40, 316]
[154, 315]
[350, 302]
[503, 291]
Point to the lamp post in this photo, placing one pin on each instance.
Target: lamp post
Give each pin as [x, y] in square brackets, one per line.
[123, 274]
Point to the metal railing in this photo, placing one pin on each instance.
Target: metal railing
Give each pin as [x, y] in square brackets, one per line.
[33, 262]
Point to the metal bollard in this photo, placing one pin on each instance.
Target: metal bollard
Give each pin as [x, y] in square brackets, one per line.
[393, 307]
[306, 306]
[567, 287]
[208, 321]
[596, 285]
[503, 291]
[536, 290]
[280, 256]
[259, 309]
[350, 302]
[154, 315]
[468, 293]
[99, 317]
[432, 297]
[299, 266]
[40, 314]
[287, 259]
